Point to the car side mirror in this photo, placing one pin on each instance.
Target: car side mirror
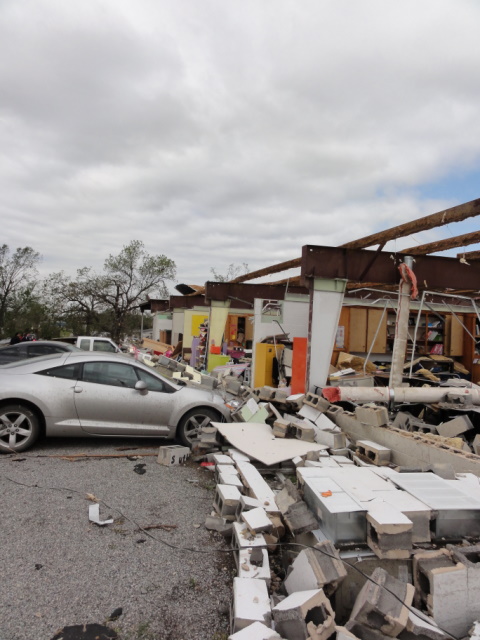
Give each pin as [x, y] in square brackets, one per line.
[141, 386]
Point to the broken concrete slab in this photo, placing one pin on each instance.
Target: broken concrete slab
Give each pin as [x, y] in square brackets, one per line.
[305, 614]
[251, 603]
[296, 514]
[249, 566]
[259, 443]
[316, 569]
[217, 523]
[383, 603]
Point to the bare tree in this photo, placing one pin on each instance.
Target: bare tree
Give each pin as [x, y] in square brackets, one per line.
[18, 272]
[233, 271]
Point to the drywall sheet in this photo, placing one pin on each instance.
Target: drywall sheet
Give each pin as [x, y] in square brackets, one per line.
[258, 442]
[218, 319]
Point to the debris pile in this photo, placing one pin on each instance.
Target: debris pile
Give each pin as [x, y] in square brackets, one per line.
[350, 537]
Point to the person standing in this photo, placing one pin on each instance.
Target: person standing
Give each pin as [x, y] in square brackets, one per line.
[17, 338]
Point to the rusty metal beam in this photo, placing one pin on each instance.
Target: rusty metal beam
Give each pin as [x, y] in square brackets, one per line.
[454, 214]
[248, 292]
[443, 245]
[187, 302]
[431, 271]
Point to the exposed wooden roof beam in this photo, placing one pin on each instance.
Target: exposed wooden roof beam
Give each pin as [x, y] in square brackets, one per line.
[443, 245]
[469, 255]
[455, 214]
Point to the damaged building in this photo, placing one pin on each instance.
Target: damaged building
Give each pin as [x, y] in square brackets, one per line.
[347, 481]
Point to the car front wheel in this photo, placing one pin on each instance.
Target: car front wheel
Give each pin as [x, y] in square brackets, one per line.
[190, 425]
[19, 428]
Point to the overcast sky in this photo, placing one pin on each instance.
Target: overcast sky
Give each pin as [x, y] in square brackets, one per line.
[220, 131]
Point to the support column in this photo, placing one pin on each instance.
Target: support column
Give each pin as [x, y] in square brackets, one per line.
[216, 326]
[401, 329]
[326, 299]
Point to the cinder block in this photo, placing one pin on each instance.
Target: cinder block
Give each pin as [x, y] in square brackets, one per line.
[317, 402]
[441, 585]
[232, 480]
[257, 520]
[173, 454]
[295, 402]
[265, 394]
[226, 501]
[315, 569]
[377, 608]
[251, 603]
[310, 413]
[421, 627]
[304, 432]
[220, 458]
[244, 539]
[333, 412]
[455, 427]
[476, 445]
[217, 523]
[254, 563]
[373, 452]
[389, 532]
[280, 427]
[305, 614]
[295, 513]
[372, 414]
[470, 558]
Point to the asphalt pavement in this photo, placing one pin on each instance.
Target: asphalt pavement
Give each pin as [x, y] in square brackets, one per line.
[155, 572]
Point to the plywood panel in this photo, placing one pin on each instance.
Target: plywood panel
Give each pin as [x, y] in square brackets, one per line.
[454, 336]
[376, 317]
[358, 330]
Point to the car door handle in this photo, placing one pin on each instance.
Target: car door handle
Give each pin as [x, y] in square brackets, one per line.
[78, 389]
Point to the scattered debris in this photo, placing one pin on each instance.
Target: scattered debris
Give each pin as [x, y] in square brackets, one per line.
[94, 515]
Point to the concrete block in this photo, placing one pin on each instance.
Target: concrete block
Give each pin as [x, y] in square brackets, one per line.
[250, 566]
[304, 432]
[296, 515]
[238, 456]
[210, 436]
[257, 486]
[298, 461]
[226, 501]
[280, 427]
[315, 401]
[315, 569]
[217, 523]
[295, 402]
[414, 509]
[441, 585]
[377, 608]
[255, 631]
[389, 531]
[372, 414]
[334, 412]
[455, 427]
[220, 458]
[476, 445]
[305, 614]
[251, 603]
[173, 454]
[257, 520]
[470, 558]
[310, 413]
[265, 394]
[373, 452]
[362, 632]
[232, 480]
[244, 539]
[246, 503]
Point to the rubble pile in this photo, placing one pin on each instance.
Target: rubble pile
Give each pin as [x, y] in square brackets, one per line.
[369, 548]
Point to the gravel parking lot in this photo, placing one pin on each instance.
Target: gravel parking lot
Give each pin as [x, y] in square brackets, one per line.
[59, 569]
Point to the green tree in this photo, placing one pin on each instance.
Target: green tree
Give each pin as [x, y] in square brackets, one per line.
[18, 273]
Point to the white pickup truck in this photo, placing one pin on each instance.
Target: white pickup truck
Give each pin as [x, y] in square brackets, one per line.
[92, 343]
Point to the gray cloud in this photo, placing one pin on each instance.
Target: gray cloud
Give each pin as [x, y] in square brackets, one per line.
[229, 132]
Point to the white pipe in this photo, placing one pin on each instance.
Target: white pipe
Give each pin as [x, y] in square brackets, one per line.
[399, 394]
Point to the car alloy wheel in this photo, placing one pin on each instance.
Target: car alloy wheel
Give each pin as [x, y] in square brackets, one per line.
[19, 428]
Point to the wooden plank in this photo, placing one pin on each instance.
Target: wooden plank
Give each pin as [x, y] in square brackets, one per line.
[455, 214]
[443, 245]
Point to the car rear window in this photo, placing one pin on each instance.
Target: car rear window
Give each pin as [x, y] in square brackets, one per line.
[68, 372]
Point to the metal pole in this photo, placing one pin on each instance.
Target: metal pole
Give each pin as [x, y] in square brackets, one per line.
[401, 330]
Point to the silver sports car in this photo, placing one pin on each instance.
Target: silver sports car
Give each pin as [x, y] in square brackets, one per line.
[93, 394]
